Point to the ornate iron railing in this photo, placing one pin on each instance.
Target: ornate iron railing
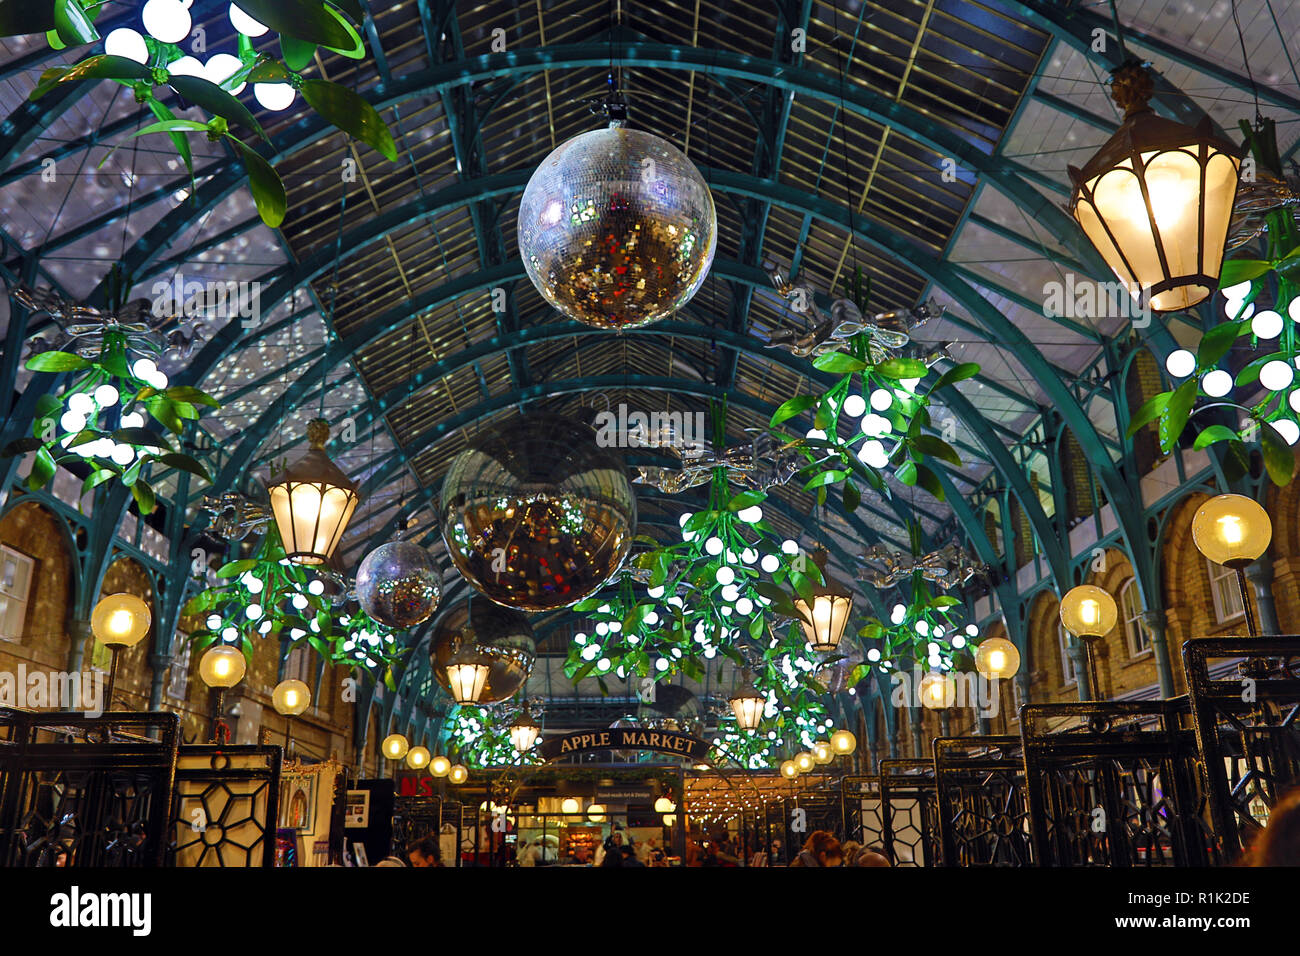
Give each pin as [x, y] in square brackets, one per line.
[1246, 729]
[1114, 784]
[911, 813]
[226, 806]
[983, 809]
[86, 791]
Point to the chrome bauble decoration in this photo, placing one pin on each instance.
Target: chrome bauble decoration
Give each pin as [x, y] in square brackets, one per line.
[399, 585]
[617, 228]
[501, 635]
[674, 708]
[535, 515]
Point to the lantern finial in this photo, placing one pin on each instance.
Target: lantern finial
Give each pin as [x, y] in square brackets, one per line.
[318, 433]
[1132, 87]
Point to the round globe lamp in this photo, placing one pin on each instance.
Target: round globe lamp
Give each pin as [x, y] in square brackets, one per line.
[119, 621]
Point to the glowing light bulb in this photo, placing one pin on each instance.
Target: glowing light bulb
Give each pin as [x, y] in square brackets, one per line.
[854, 406]
[274, 96]
[166, 20]
[125, 42]
[1266, 324]
[1217, 383]
[106, 396]
[245, 24]
[1181, 363]
[1276, 375]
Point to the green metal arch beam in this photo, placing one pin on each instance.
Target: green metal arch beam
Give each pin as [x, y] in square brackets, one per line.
[457, 195]
[799, 80]
[575, 386]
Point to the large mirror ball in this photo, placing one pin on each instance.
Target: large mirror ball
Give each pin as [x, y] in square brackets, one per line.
[617, 228]
[535, 514]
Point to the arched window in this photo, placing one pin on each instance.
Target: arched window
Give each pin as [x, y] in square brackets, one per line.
[1224, 591]
[1068, 674]
[1135, 629]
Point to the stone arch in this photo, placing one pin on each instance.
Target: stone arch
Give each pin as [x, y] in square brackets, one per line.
[1046, 669]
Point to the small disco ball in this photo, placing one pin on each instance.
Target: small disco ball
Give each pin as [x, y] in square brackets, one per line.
[535, 514]
[503, 636]
[617, 228]
[399, 585]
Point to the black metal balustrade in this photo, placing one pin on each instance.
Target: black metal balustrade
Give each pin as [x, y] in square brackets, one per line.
[983, 808]
[1114, 784]
[226, 806]
[863, 815]
[1246, 730]
[84, 791]
[910, 808]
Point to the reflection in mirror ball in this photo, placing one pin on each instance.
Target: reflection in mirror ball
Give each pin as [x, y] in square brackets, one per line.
[398, 584]
[501, 635]
[617, 228]
[535, 514]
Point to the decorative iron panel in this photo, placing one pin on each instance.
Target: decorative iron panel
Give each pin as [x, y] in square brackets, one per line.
[226, 806]
[1114, 784]
[1246, 729]
[983, 808]
[95, 791]
[863, 815]
[911, 813]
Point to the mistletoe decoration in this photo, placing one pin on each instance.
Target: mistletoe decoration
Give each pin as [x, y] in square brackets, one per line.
[480, 738]
[267, 596]
[1262, 304]
[890, 434]
[100, 418]
[156, 66]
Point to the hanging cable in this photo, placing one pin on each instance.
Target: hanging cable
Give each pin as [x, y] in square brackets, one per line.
[1245, 61]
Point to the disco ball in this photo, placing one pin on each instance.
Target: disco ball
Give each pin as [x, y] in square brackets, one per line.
[625, 756]
[399, 585]
[503, 636]
[617, 228]
[535, 515]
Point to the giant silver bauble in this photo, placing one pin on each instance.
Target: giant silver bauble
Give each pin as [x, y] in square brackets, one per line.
[501, 635]
[399, 585]
[535, 515]
[617, 228]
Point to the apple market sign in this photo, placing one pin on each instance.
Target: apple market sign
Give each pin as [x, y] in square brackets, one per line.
[625, 738]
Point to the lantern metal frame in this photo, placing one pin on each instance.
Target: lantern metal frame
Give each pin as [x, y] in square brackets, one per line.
[314, 468]
[1143, 133]
[831, 589]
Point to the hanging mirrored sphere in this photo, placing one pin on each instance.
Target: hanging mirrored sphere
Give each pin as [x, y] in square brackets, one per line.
[503, 636]
[674, 708]
[617, 228]
[535, 514]
[399, 585]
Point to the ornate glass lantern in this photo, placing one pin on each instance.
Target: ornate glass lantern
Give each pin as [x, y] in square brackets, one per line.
[824, 623]
[312, 501]
[747, 704]
[1156, 200]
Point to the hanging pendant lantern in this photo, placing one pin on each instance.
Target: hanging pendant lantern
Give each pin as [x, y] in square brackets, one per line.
[467, 671]
[747, 704]
[312, 501]
[824, 622]
[1156, 200]
[524, 731]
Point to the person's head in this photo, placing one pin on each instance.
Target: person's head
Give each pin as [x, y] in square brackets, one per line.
[627, 851]
[423, 852]
[1279, 844]
[850, 849]
[825, 848]
[618, 838]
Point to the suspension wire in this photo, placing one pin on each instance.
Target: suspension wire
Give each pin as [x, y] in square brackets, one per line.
[334, 296]
[1245, 60]
[844, 153]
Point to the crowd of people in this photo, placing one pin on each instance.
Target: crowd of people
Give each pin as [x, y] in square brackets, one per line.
[1277, 845]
